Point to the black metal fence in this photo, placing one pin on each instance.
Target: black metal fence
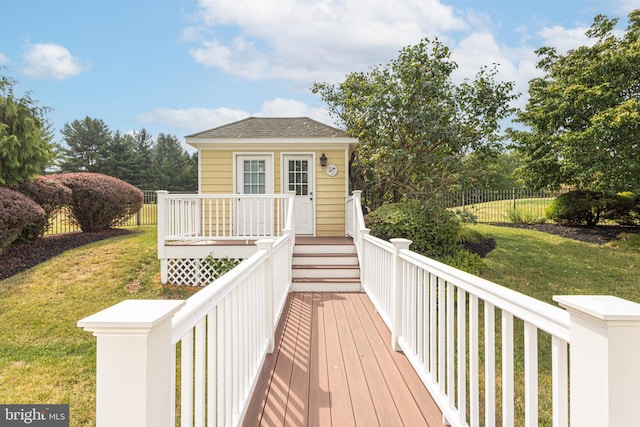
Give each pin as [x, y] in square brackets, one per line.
[62, 222]
[495, 206]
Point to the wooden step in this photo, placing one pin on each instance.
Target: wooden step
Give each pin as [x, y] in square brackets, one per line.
[337, 284]
[325, 271]
[325, 259]
[325, 264]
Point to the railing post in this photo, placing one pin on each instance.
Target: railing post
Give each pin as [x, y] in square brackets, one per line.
[397, 288]
[289, 223]
[133, 373]
[269, 330]
[162, 232]
[604, 369]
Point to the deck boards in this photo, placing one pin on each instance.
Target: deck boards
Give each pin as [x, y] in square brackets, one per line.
[333, 366]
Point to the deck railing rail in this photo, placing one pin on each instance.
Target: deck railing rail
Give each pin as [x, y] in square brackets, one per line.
[196, 361]
[203, 356]
[184, 217]
[444, 320]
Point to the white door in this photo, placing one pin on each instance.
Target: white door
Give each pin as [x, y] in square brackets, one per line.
[254, 216]
[298, 177]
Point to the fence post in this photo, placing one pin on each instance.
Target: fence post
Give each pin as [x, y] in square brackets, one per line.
[269, 330]
[604, 369]
[397, 288]
[162, 232]
[133, 372]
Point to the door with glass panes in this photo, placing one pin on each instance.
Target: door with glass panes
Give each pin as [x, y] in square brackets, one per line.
[254, 216]
[298, 177]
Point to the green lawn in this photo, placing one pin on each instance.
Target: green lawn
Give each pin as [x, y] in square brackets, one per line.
[44, 356]
[541, 265]
[530, 210]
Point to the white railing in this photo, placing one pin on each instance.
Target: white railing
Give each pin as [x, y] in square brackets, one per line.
[444, 320]
[205, 353]
[433, 311]
[457, 330]
[183, 217]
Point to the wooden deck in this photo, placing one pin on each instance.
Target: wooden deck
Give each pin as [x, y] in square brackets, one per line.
[333, 366]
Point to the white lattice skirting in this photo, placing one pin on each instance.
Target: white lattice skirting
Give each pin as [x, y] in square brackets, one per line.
[190, 272]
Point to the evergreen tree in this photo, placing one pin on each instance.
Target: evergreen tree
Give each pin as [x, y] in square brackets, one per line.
[119, 158]
[26, 147]
[143, 151]
[173, 168]
[87, 144]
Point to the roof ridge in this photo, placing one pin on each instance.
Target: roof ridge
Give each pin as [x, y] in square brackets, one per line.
[268, 127]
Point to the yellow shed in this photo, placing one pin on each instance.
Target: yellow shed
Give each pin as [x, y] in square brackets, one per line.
[271, 155]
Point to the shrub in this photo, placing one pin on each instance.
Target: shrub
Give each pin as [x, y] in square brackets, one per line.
[464, 260]
[99, 202]
[433, 230]
[622, 208]
[17, 212]
[577, 207]
[51, 195]
[516, 216]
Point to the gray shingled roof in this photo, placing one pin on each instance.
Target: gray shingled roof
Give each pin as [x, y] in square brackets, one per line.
[273, 127]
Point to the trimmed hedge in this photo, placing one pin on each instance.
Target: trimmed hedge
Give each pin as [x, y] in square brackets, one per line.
[51, 195]
[99, 202]
[623, 208]
[578, 207]
[17, 212]
[433, 230]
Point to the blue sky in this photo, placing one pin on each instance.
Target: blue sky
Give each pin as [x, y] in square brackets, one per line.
[182, 66]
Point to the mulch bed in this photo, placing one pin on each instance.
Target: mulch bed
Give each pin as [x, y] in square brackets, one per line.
[598, 235]
[22, 256]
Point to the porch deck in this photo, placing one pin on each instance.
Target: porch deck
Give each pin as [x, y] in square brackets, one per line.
[333, 365]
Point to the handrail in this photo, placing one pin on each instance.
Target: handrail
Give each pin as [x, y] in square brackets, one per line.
[544, 316]
[224, 333]
[189, 217]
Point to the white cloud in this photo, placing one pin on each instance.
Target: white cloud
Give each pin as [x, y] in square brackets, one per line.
[480, 49]
[199, 119]
[51, 61]
[303, 40]
[192, 119]
[4, 59]
[280, 107]
[564, 39]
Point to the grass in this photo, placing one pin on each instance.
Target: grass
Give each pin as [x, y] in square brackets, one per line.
[503, 210]
[44, 356]
[542, 265]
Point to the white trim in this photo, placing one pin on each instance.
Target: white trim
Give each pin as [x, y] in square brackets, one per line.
[314, 169]
[248, 142]
[258, 155]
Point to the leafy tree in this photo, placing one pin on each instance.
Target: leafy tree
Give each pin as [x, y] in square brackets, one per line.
[173, 168]
[26, 147]
[86, 145]
[583, 115]
[414, 123]
[494, 171]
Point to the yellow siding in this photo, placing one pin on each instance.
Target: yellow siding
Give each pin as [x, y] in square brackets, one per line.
[330, 192]
[216, 176]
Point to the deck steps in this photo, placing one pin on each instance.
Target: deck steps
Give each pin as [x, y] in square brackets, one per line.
[325, 265]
